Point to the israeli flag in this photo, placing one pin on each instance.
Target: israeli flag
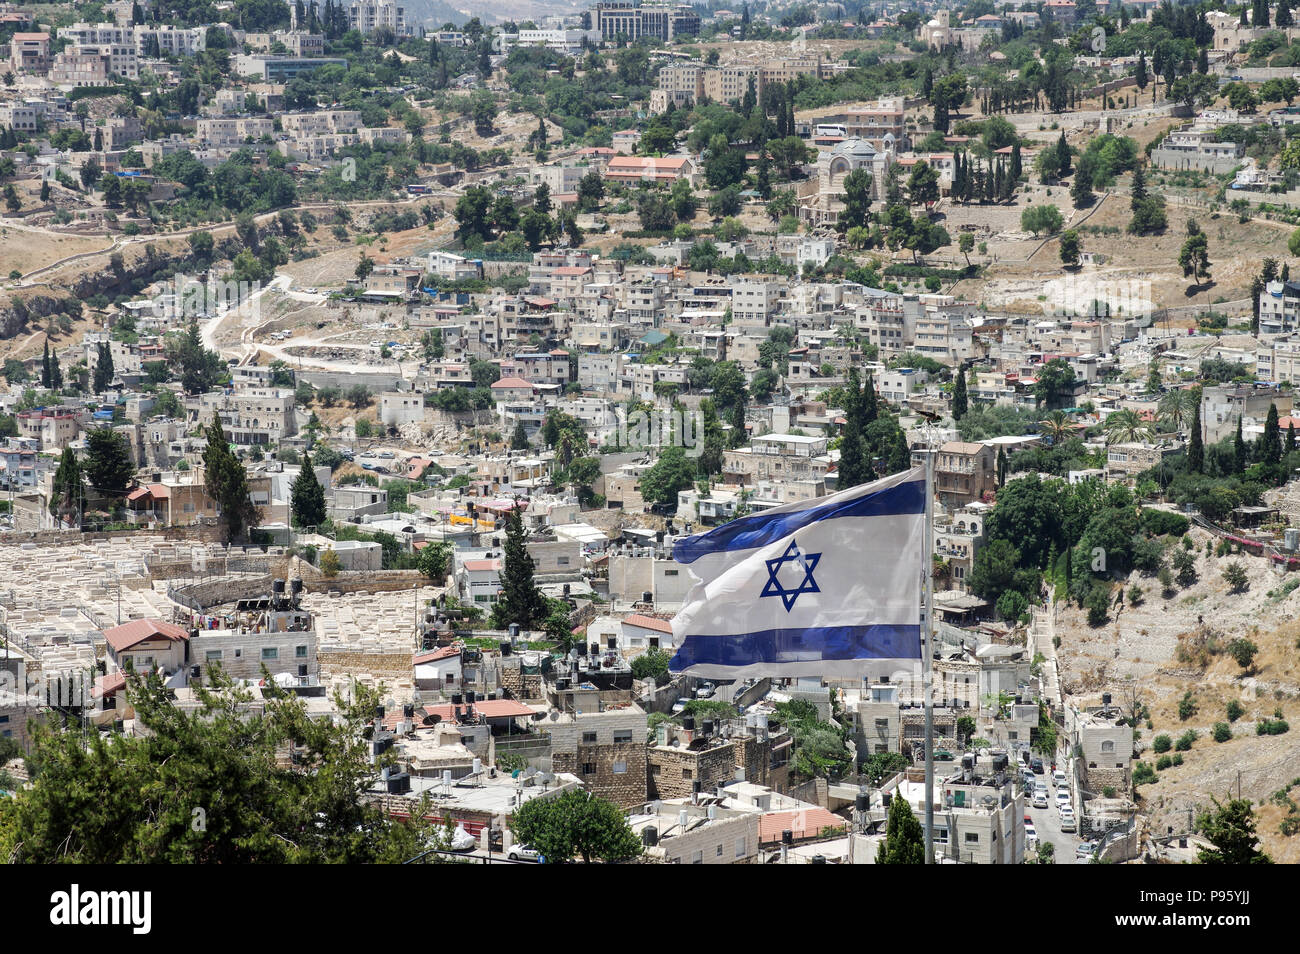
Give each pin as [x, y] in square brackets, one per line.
[823, 587]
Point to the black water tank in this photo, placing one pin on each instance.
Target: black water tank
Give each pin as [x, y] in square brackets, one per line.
[1105, 698]
[277, 587]
[505, 647]
[470, 697]
[566, 589]
[295, 586]
[379, 712]
[514, 630]
[647, 596]
[593, 649]
[887, 798]
[862, 802]
[457, 698]
[787, 837]
[707, 728]
[613, 642]
[688, 723]
[650, 836]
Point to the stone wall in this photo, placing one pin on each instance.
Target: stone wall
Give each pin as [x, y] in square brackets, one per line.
[627, 788]
[674, 770]
[347, 662]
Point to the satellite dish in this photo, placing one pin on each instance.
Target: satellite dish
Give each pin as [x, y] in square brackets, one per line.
[554, 714]
[547, 778]
[390, 703]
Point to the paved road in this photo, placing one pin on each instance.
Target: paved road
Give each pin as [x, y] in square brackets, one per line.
[1047, 822]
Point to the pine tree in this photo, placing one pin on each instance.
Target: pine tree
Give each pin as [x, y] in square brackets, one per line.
[1017, 169]
[307, 497]
[1002, 466]
[1195, 445]
[959, 396]
[56, 374]
[1138, 191]
[45, 366]
[521, 601]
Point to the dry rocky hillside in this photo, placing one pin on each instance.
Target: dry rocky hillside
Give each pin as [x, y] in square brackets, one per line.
[1171, 646]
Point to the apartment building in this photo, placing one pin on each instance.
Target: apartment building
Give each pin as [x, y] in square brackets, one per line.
[964, 473]
[30, 53]
[632, 20]
[232, 133]
[250, 416]
[366, 16]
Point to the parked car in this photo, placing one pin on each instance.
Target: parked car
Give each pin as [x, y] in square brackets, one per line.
[523, 853]
[1062, 797]
[1031, 833]
[705, 691]
[680, 705]
[1059, 779]
[1040, 797]
[1067, 818]
[1037, 766]
[1085, 851]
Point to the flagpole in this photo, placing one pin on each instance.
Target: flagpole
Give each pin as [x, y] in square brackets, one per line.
[926, 676]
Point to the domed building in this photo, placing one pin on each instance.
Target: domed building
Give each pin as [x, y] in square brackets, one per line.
[823, 206]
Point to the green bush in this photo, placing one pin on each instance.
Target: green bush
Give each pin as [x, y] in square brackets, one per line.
[1271, 727]
[1186, 706]
[1235, 710]
[1178, 758]
[1161, 743]
[1143, 774]
[1163, 763]
[1184, 743]
[1222, 732]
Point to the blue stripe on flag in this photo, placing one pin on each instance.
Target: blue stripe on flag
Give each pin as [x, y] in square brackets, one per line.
[761, 529]
[777, 646]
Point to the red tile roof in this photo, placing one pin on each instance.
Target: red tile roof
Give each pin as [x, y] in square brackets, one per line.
[488, 708]
[138, 630]
[804, 823]
[649, 622]
[434, 655]
[512, 383]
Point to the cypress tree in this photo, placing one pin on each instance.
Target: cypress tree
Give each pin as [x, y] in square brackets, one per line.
[1239, 457]
[959, 396]
[227, 482]
[1272, 452]
[521, 601]
[904, 842]
[1002, 467]
[1195, 446]
[307, 497]
[45, 365]
[854, 468]
[1290, 437]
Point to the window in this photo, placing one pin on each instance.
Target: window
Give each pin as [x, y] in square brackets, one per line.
[972, 837]
[3, 720]
[239, 653]
[588, 768]
[698, 858]
[562, 561]
[654, 770]
[214, 655]
[1108, 746]
[670, 572]
[270, 652]
[623, 735]
[589, 737]
[687, 773]
[740, 847]
[620, 768]
[719, 851]
[300, 652]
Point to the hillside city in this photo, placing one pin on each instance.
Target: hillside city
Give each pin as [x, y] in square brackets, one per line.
[365, 364]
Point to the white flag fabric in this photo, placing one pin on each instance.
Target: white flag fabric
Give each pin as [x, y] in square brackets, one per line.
[823, 587]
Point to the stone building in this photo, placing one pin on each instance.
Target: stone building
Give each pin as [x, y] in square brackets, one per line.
[606, 749]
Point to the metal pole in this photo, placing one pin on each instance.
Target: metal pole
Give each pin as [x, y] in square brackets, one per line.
[926, 675]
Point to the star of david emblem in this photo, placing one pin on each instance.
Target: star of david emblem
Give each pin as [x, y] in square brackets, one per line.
[805, 561]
